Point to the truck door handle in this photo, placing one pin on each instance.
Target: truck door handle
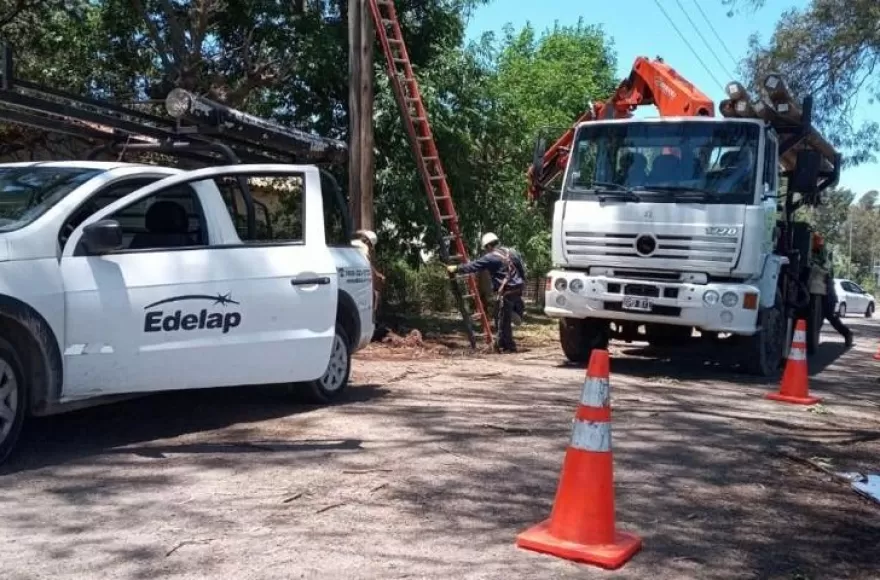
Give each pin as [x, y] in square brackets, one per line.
[322, 281]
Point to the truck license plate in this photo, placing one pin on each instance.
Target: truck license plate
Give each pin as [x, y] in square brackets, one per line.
[640, 304]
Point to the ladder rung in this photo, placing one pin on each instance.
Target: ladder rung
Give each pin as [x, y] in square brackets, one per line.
[387, 21]
[442, 198]
[401, 60]
[447, 217]
[432, 158]
[421, 138]
[437, 177]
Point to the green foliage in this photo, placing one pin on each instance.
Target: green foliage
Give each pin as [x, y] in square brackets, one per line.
[410, 290]
[830, 49]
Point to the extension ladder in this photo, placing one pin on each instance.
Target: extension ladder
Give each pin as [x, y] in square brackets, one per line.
[415, 117]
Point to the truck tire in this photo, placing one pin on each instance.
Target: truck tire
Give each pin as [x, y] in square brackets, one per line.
[329, 387]
[765, 350]
[841, 310]
[814, 323]
[578, 337]
[869, 313]
[13, 399]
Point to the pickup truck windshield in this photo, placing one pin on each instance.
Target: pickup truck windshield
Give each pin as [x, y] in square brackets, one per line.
[28, 192]
[688, 162]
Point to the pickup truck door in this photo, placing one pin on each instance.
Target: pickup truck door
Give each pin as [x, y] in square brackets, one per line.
[216, 312]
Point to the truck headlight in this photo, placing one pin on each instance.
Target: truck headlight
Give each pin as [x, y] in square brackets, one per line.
[711, 297]
[729, 299]
[576, 286]
[560, 285]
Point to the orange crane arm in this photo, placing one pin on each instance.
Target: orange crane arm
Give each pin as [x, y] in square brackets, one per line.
[650, 82]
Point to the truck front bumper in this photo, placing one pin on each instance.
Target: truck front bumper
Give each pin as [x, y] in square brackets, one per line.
[710, 307]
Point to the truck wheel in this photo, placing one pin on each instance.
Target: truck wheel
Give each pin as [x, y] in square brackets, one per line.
[13, 399]
[814, 324]
[330, 386]
[765, 349]
[870, 311]
[578, 337]
[841, 310]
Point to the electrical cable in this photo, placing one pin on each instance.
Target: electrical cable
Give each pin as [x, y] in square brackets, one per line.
[688, 44]
[703, 38]
[715, 32]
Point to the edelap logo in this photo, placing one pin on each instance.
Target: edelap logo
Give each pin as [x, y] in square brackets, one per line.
[157, 320]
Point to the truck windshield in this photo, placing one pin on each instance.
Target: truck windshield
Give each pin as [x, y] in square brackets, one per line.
[28, 192]
[707, 162]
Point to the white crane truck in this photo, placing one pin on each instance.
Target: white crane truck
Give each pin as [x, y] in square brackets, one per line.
[676, 223]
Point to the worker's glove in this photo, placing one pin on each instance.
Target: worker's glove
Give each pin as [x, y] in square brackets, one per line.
[452, 269]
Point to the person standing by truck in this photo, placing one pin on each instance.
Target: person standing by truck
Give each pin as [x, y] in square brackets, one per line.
[508, 274]
[822, 262]
[365, 241]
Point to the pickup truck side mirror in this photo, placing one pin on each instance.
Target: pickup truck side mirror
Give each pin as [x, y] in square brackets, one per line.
[102, 237]
[538, 158]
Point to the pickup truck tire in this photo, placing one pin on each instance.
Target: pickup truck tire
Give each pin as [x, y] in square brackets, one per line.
[330, 386]
[13, 399]
[870, 311]
[578, 338]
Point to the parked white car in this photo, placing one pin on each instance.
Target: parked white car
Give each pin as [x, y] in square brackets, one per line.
[120, 279]
[851, 298]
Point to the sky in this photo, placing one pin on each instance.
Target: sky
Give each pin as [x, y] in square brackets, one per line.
[640, 28]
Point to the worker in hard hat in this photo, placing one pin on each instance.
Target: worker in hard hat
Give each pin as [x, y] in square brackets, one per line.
[365, 241]
[822, 262]
[508, 275]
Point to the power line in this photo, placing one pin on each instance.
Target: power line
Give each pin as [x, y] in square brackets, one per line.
[715, 32]
[703, 38]
[685, 40]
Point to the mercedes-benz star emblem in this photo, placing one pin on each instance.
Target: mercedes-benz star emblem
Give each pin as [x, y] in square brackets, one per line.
[645, 245]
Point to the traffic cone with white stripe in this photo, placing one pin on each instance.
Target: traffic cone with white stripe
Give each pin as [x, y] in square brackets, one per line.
[582, 524]
[795, 387]
[877, 354]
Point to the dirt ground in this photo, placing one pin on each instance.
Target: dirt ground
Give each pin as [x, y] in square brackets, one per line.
[436, 460]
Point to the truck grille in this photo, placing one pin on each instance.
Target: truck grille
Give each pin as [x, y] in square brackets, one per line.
[720, 250]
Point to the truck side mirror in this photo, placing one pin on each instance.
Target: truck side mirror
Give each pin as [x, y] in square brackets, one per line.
[805, 178]
[538, 158]
[102, 237]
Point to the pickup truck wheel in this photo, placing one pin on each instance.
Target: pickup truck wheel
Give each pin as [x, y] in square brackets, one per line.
[578, 338]
[765, 350]
[841, 310]
[330, 386]
[12, 399]
[870, 311]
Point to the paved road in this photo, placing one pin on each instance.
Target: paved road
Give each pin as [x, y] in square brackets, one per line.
[432, 466]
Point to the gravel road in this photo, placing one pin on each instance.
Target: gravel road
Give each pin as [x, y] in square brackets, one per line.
[432, 465]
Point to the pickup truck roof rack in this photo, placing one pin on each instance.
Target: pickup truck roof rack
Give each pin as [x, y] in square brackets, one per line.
[193, 127]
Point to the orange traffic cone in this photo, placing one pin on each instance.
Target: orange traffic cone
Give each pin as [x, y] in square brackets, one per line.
[877, 354]
[582, 524]
[795, 386]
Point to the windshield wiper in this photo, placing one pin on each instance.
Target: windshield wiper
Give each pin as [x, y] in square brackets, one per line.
[610, 190]
[687, 192]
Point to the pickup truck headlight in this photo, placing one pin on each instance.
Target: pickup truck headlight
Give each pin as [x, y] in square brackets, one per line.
[560, 285]
[576, 286]
[711, 297]
[729, 299]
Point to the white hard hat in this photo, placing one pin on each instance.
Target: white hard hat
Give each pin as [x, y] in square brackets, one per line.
[369, 235]
[488, 238]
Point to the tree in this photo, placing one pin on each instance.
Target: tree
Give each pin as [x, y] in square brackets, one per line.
[830, 49]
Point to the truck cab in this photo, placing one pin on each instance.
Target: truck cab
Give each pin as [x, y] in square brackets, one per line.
[119, 279]
[665, 225]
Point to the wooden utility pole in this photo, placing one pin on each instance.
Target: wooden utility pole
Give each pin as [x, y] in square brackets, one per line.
[360, 110]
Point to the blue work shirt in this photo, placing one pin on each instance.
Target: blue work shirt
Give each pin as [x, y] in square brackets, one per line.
[496, 265]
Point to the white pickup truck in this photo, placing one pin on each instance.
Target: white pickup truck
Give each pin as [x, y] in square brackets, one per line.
[120, 279]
